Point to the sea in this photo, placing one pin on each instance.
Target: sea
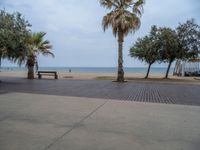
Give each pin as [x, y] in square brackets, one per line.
[156, 70]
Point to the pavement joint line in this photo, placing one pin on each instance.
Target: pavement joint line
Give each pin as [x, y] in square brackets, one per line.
[75, 125]
[6, 117]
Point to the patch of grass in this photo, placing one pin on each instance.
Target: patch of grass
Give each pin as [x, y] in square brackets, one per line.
[150, 80]
[68, 77]
[114, 78]
[105, 78]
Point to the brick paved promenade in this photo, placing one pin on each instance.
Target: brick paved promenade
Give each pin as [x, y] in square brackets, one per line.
[132, 91]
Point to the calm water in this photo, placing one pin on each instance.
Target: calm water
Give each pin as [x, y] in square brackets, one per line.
[90, 69]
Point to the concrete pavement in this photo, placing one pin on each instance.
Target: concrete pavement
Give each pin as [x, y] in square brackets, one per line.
[46, 122]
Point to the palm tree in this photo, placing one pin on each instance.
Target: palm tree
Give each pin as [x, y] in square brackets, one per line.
[37, 46]
[124, 18]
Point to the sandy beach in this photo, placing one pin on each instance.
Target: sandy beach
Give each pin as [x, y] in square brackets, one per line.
[105, 76]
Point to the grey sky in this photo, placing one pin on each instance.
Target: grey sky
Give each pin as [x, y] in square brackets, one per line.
[75, 31]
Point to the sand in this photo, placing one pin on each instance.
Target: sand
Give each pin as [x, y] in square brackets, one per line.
[76, 75]
[103, 76]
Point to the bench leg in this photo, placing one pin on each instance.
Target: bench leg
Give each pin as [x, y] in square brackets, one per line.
[39, 76]
[56, 76]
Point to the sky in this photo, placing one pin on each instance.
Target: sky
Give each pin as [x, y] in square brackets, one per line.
[74, 28]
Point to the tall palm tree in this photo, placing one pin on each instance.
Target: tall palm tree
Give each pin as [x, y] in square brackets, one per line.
[37, 46]
[124, 18]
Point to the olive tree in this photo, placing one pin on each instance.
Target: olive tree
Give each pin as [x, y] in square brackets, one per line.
[146, 49]
[189, 39]
[14, 33]
[169, 48]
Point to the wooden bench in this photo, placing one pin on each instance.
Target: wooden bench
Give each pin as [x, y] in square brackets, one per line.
[47, 73]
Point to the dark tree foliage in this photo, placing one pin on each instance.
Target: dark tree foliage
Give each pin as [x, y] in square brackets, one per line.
[168, 45]
[169, 48]
[14, 36]
[18, 44]
[182, 43]
[189, 39]
[146, 49]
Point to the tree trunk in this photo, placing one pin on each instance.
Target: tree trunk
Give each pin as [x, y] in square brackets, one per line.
[30, 64]
[0, 66]
[120, 74]
[0, 63]
[168, 68]
[30, 72]
[147, 75]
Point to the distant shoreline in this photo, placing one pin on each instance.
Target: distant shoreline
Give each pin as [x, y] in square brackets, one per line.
[140, 70]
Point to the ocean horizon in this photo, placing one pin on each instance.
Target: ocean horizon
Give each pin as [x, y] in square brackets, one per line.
[91, 69]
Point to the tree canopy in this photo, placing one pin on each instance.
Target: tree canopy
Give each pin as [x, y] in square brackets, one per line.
[169, 49]
[189, 38]
[167, 45]
[146, 49]
[18, 43]
[14, 32]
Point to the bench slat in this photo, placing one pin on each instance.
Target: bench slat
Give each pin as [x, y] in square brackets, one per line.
[47, 73]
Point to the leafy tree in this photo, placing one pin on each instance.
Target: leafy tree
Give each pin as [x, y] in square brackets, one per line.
[145, 49]
[18, 44]
[14, 31]
[184, 43]
[189, 39]
[122, 21]
[37, 46]
[168, 44]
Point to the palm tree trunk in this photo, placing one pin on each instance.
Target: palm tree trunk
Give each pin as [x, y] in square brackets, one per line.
[168, 68]
[0, 63]
[120, 73]
[30, 66]
[30, 72]
[147, 75]
[0, 66]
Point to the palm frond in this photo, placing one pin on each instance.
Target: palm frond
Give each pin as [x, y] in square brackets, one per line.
[38, 46]
[109, 3]
[138, 7]
[120, 18]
